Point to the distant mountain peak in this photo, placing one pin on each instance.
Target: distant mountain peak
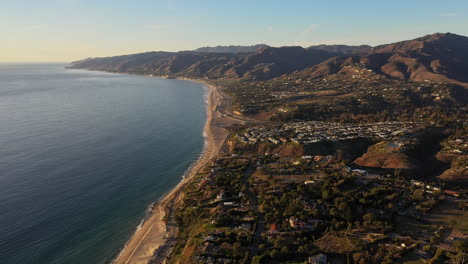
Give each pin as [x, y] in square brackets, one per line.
[276, 50]
[341, 49]
[438, 36]
[231, 49]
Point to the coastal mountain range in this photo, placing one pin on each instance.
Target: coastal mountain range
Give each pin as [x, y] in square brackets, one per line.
[231, 49]
[437, 57]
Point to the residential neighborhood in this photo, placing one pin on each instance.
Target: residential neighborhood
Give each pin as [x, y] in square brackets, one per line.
[252, 205]
[316, 131]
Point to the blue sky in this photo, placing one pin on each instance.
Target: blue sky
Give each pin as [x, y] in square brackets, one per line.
[66, 30]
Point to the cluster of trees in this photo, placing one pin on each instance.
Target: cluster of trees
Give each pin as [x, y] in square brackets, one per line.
[296, 247]
[342, 205]
[337, 199]
[372, 109]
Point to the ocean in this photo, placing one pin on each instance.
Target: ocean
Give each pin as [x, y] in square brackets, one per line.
[83, 155]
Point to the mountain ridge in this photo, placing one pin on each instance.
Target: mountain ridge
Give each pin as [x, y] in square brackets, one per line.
[231, 49]
[439, 57]
[341, 49]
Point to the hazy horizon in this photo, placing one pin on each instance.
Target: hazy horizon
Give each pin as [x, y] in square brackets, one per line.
[143, 51]
[64, 31]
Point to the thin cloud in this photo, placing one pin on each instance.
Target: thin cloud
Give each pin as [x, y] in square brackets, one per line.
[269, 29]
[310, 29]
[305, 35]
[448, 14]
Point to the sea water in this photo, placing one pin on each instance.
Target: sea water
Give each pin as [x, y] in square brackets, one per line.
[84, 154]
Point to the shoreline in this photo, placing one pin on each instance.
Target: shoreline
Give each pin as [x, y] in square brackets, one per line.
[154, 232]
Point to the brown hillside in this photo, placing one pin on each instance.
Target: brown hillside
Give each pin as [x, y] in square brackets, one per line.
[381, 155]
[437, 57]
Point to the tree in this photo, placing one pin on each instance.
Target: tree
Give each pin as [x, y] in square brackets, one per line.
[325, 194]
[301, 250]
[357, 224]
[284, 250]
[461, 245]
[261, 247]
[437, 256]
[368, 217]
[346, 210]
[349, 229]
[418, 194]
[279, 242]
[259, 259]
[274, 254]
[458, 258]
[237, 249]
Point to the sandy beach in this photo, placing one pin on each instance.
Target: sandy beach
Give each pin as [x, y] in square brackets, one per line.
[155, 232]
